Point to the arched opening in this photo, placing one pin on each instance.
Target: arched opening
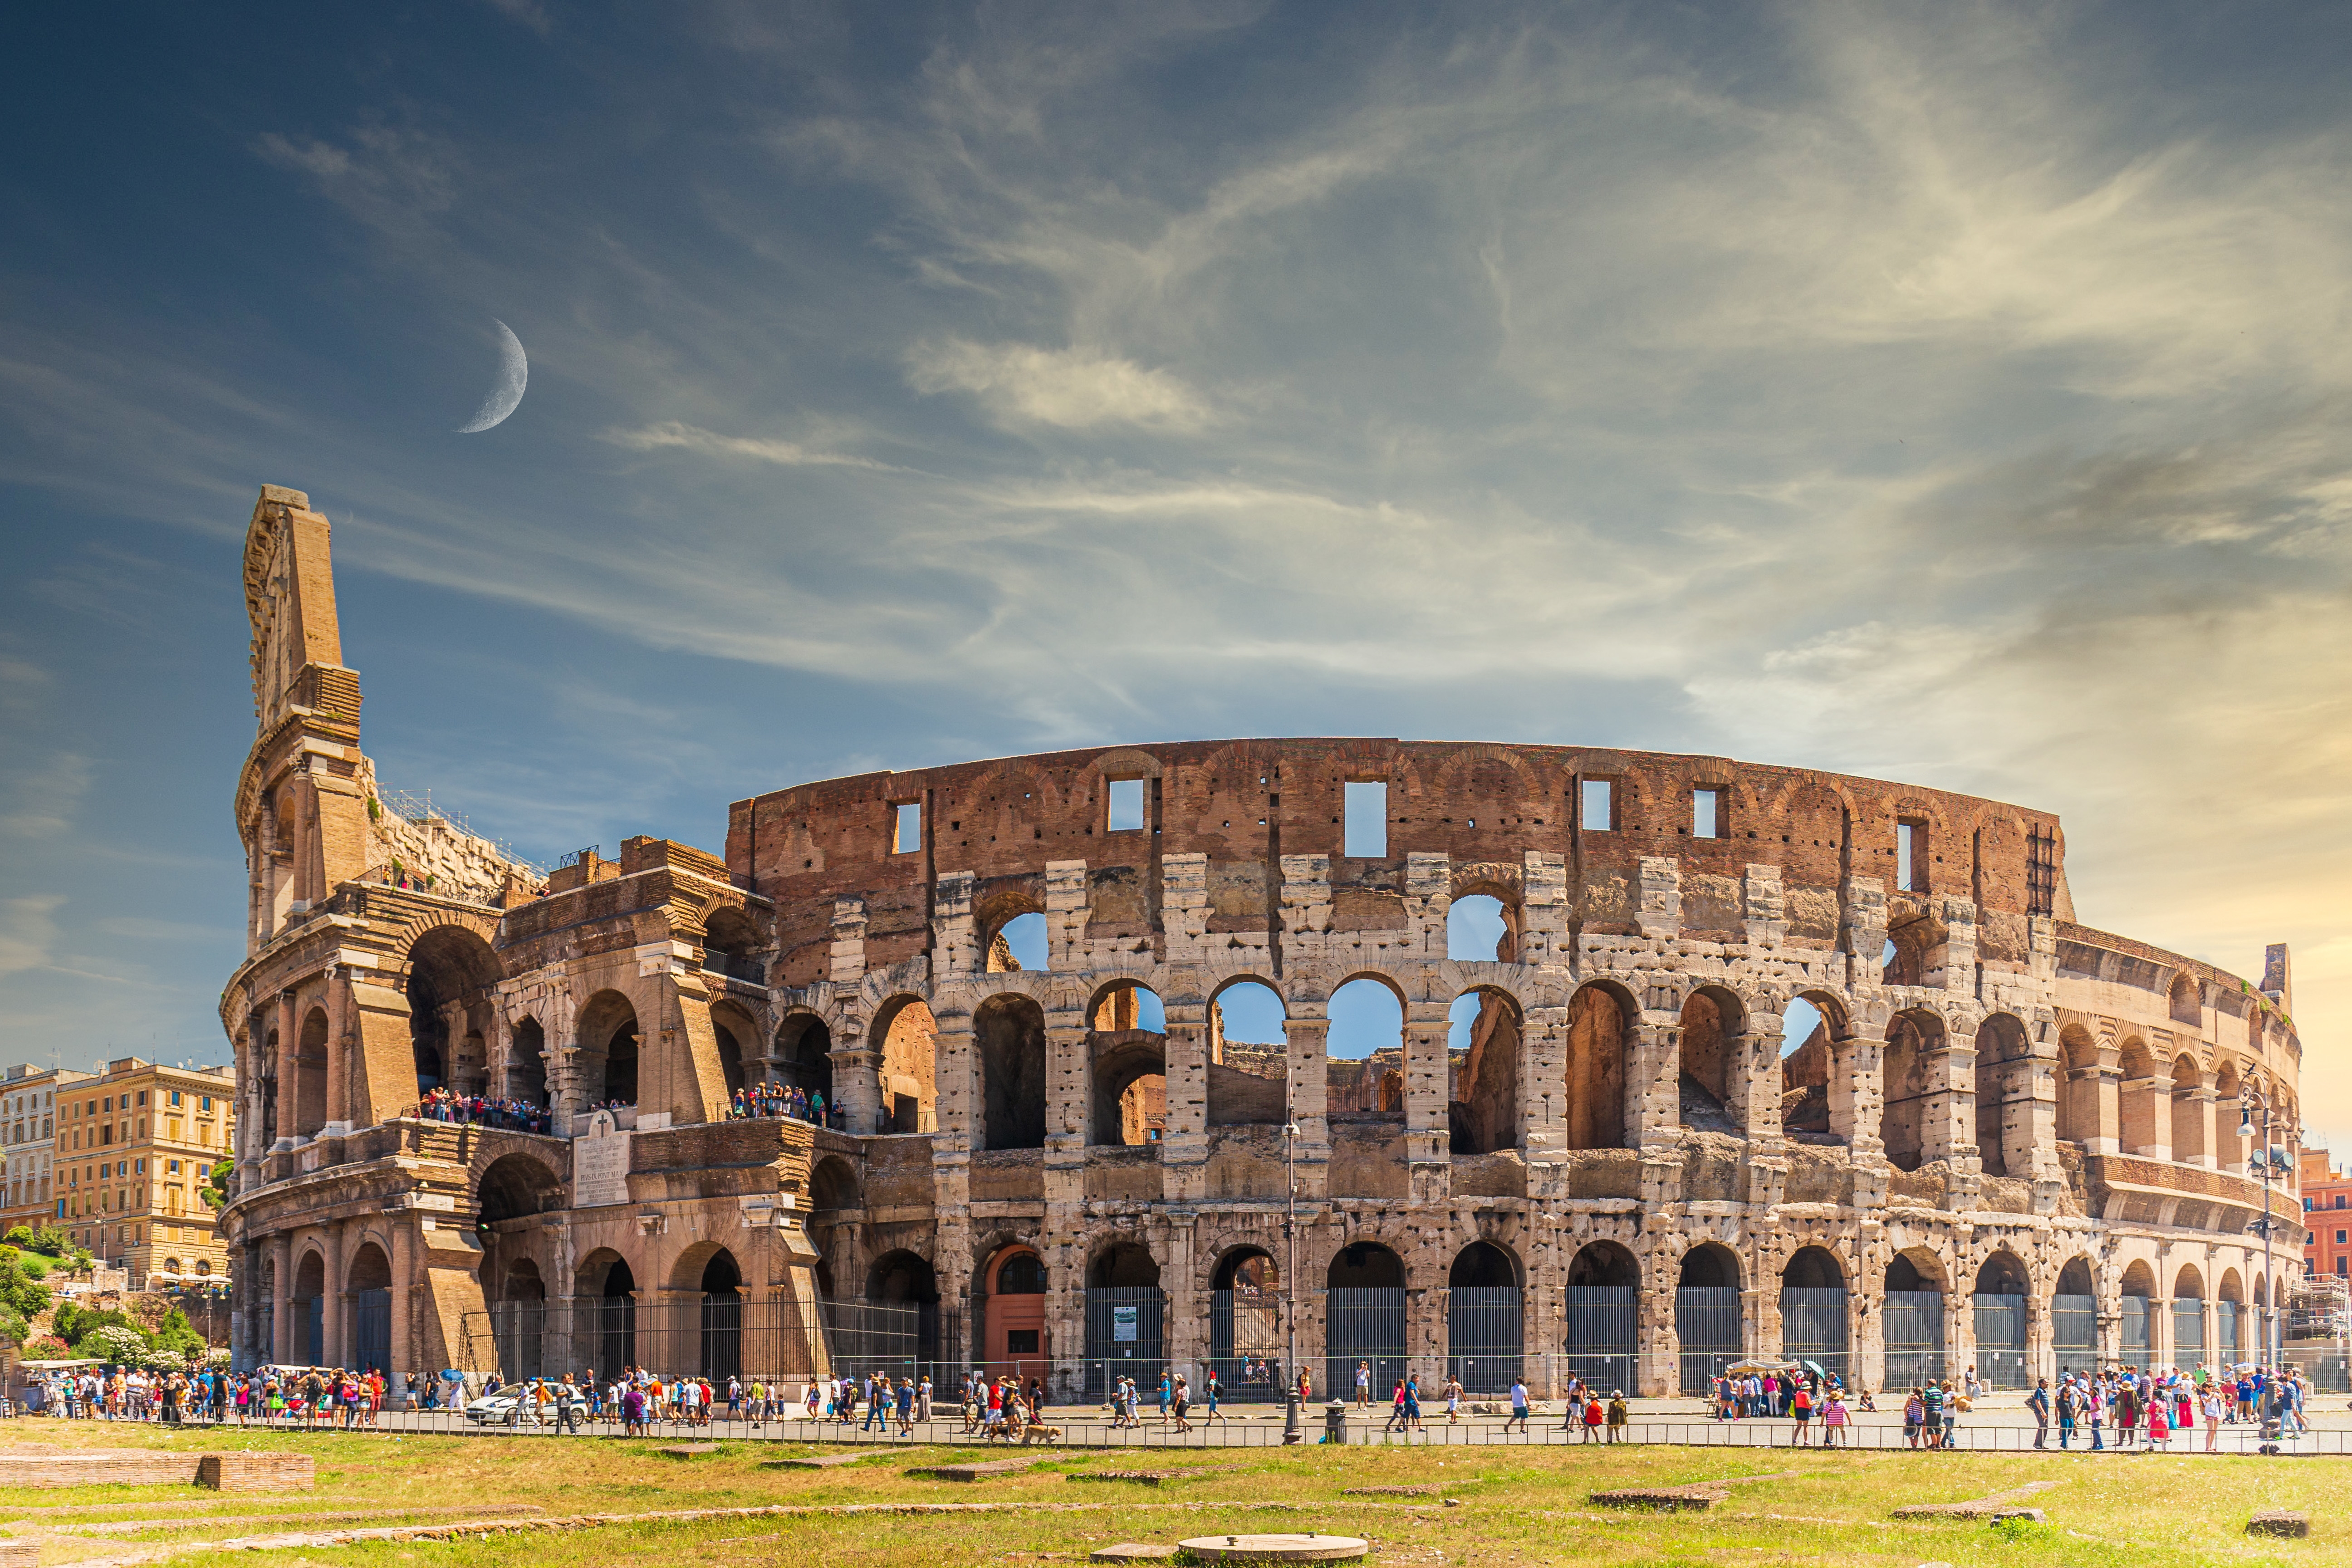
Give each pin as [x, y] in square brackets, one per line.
[909, 1037]
[2135, 1325]
[731, 947]
[2187, 1007]
[1599, 1045]
[898, 1323]
[2078, 1095]
[368, 1279]
[1603, 1330]
[2004, 1097]
[1999, 1305]
[1249, 1055]
[728, 1029]
[1014, 1336]
[1019, 945]
[266, 1078]
[1010, 1033]
[2074, 1318]
[453, 977]
[1482, 929]
[519, 1321]
[1125, 1317]
[2188, 1349]
[803, 1061]
[527, 1064]
[1912, 1318]
[1710, 1023]
[834, 1187]
[610, 1289]
[1913, 1043]
[309, 1307]
[1484, 1333]
[1910, 940]
[516, 1185]
[1806, 1072]
[1813, 1320]
[310, 1075]
[1363, 1066]
[1245, 1331]
[608, 1050]
[1706, 1314]
[1363, 1316]
[722, 1318]
[1482, 1110]
[2191, 1108]
[1128, 1045]
[2229, 1149]
[2139, 1093]
[2229, 1319]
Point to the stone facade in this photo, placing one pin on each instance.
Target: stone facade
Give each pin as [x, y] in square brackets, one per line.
[2031, 1124]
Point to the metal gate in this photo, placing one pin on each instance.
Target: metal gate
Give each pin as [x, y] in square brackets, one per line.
[2188, 1332]
[722, 1337]
[1603, 1335]
[2134, 1346]
[515, 1331]
[312, 1351]
[1914, 1322]
[2000, 1342]
[2075, 1332]
[1362, 1325]
[1813, 1329]
[2228, 1334]
[611, 1336]
[1484, 1346]
[372, 1331]
[1706, 1320]
[1124, 1337]
[1245, 1346]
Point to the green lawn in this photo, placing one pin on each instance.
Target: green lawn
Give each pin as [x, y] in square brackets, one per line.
[1529, 1506]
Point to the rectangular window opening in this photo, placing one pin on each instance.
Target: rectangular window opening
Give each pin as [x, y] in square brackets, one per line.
[1910, 859]
[1597, 805]
[1127, 805]
[907, 834]
[1706, 814]
[1366, 834]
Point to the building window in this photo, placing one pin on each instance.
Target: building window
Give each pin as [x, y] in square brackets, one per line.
[2040, 870]
[907, 834]
[1365, 834]
[1911, 856]
[1596, 807]
[1126, 805]
[1707, 813]
[207, 1106]
[175, 1100]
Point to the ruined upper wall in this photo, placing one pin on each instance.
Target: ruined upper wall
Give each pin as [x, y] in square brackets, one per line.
[1245, 803]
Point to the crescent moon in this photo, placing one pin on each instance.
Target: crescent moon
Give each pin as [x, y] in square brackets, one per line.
[514, 375]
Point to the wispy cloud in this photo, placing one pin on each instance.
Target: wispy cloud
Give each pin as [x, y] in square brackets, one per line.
[1021, 383]
[671, 434]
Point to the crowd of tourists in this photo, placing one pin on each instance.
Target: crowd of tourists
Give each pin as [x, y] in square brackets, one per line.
[479, 1110]
[767, 1100]
[130, 1394]
[2152, 1406]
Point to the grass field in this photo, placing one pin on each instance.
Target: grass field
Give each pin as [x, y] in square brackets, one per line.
[1512, 1508]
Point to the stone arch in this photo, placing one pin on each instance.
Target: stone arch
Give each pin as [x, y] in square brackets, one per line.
[1916, 1269]
[1708, 1265]
[1600, 1046]
[2191, 1110]
[515, 1185]
[526, 1063]
[1365, 1264]
[802, 1056]
[2002, 1273]
[992, 917]
[2139, 1095]
[1815, 1324]
[732, 945]
[909, 1037]
[2229, 1149]
[2184, 1002]
[607, 1289]
[1485, 1265]
[308, 1302]
[453, 973]
[1482, 1112]
[1368, 1008]
[2004, 1096]
[2077, 1277]
[1812, 1267]
[1122, 1263]
[1604, 1264]
[1485, 1322]
[901, 1276]
[1709, 1321]
[833, 1185]
[1482, 900]
[2078, 1092]
[310, 1074]
[609, 1049]
[737, 1035]
[369, 1268]
[1248, 1083]
[1713, 1019]
[1914, 1044]
[1009, 1049]
[1128, 1045]
[1817, 1074]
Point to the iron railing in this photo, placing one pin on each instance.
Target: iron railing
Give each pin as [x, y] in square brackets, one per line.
[2000, 1342]
[1913, 1322]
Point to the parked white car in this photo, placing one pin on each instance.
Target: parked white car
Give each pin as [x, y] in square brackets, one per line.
[507, 1407]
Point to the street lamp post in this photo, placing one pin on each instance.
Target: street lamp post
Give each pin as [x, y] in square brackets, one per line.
[1291, 1430]
[2252, 1102]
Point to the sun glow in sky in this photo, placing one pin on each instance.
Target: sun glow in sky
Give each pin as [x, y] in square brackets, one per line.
[1950, 394]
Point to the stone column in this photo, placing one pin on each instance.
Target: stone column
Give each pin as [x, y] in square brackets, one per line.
[1308, 1031]
[290, 1073]
[1867, 1333]
[335, 1317]
[2143, 1103]
[1755, 1062]
[1428, 1091]
[338, 1056]
[1184, 1147]
[1653, 1094]
[1660, 1353]
[1543, 1085]
[403, 1352]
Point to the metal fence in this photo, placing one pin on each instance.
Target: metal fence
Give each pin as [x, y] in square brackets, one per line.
[1708, 1320]
[2001, 1342]
[2075, 1332]
[2133, 1331]
[1247, 1346]
[1603, 1335]
[1914, 1325]
[717, 1337]
[1813, 1329]
[1482, 1344]
[1125, 1337]
[2188, 1332]
[1365, 1325]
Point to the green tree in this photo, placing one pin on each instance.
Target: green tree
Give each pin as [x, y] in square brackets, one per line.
[215, 1187]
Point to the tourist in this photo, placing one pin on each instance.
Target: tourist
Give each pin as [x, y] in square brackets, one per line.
[1454, 1400]
[906, 1405]
[2038, 1402]
[1179, 1401]
[923, 1400]
[1364, 1385]
[1915, 1415]
[1592, 1416]
[1800, 1406]
[1833, 1420]
[1213, 1391]
[1518, 1405]
[1618, 1415]
[2159, 1429]
[2213, 1406]
[1931, 1413]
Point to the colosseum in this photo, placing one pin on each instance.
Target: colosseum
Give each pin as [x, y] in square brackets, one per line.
[1245, 1055]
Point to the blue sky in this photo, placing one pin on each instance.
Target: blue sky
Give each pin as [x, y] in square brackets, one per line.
[1954, 393]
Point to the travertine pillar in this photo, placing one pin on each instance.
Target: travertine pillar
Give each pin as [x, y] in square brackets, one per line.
[1428, 1135]
[1308, 1033]
[282, 1299]
[405, 1359]
[289, 1072]
[1184, 1146]
[335, 1316]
